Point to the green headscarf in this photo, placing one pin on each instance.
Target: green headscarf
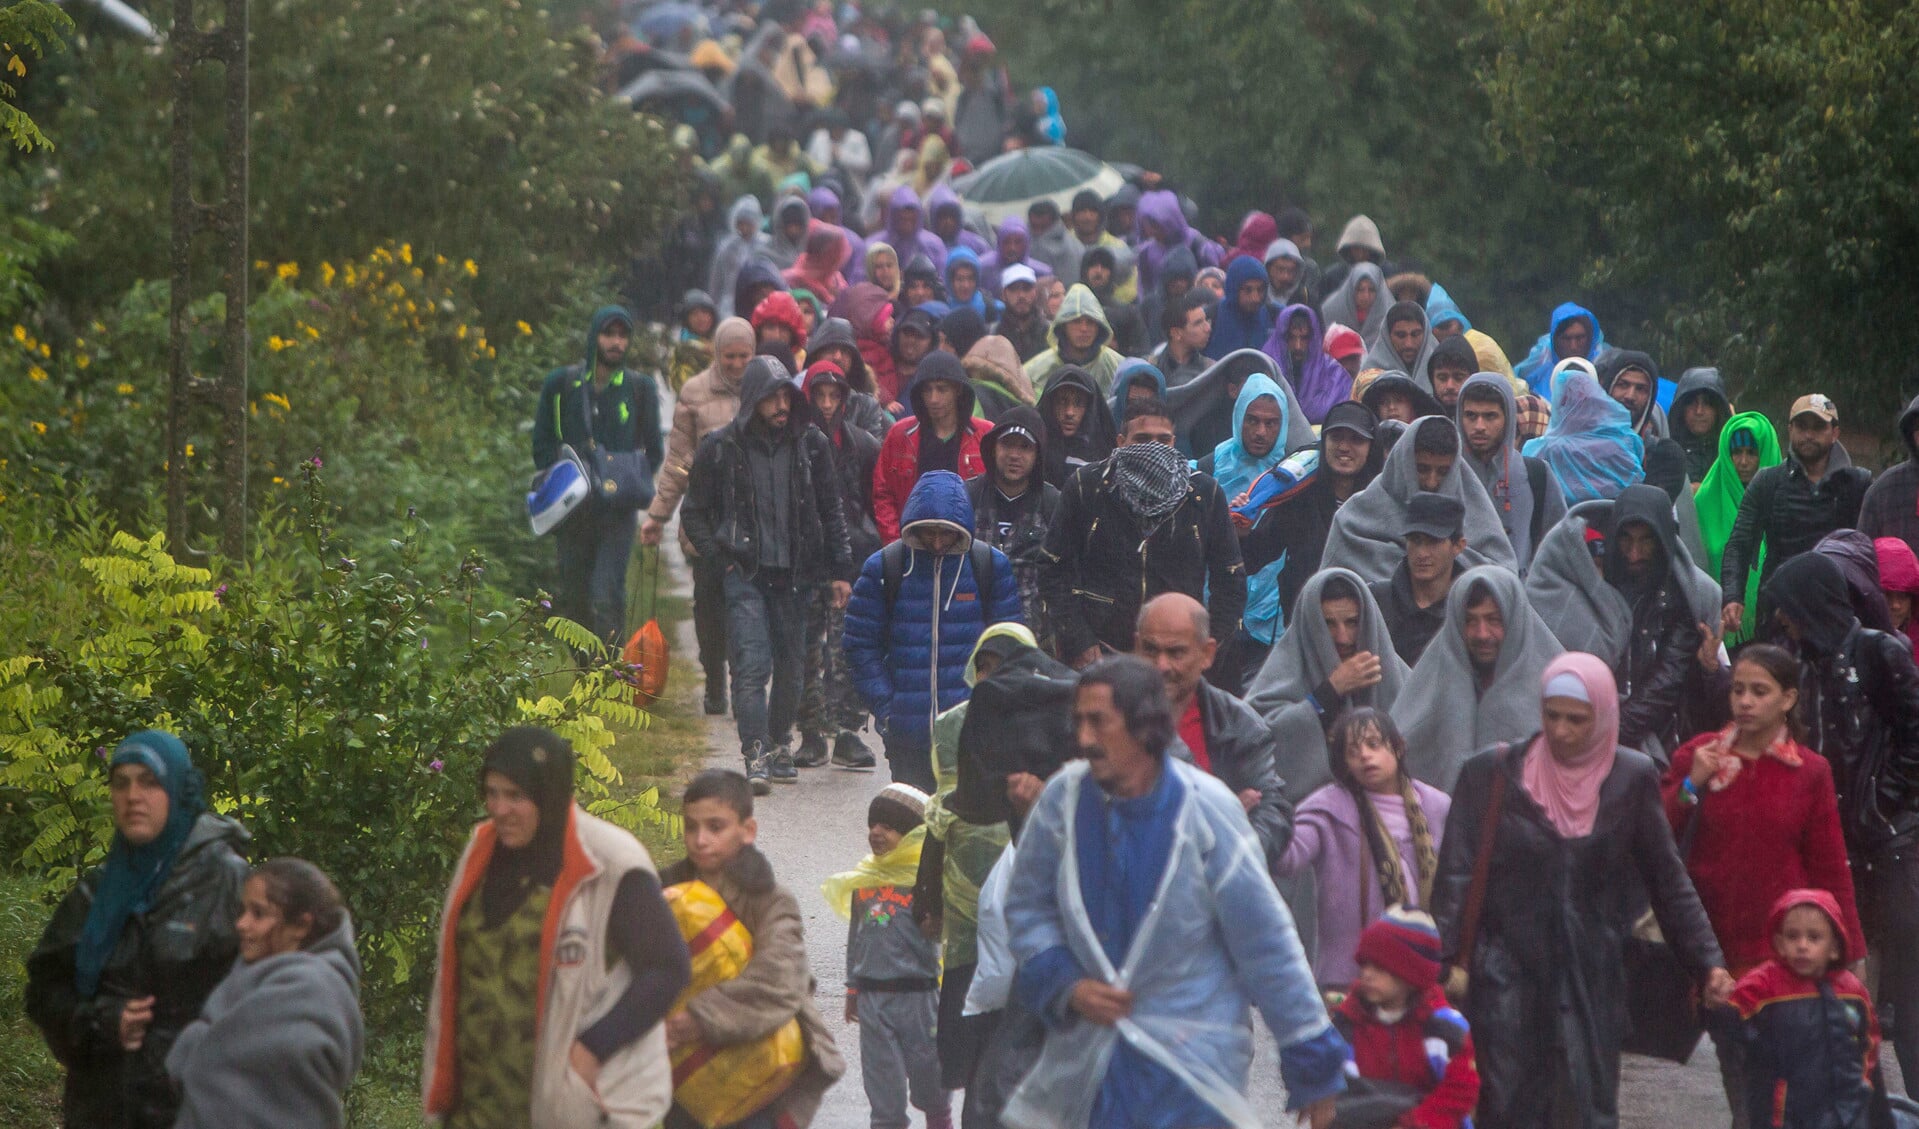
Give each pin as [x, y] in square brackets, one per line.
[1718, 502]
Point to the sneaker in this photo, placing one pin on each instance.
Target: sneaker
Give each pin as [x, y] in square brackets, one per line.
[759, 768]
[850, 752]
[780, 767]
[715, 699]
[812, 751]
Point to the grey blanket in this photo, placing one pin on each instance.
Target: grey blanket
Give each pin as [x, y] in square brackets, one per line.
[1567, 590]
[1368, 533]
[277, 1044]
[1441, 712]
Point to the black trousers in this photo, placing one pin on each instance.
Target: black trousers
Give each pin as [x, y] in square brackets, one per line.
[709, 619]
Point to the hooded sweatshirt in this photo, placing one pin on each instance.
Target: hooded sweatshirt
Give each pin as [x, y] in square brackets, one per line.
[1256, 233]
[1650, 420]
[1319, 382]
[998, 379]
[1701, 450]
[901, 459]
[818, 268]
[963, 255]
[1891, 505]
[781, 250]
[867, 307]
[756, 273]
[1101, 362]
[1131, 373]
[942, 200]
[862, 405]
[625, 415]
[1523, 490]
[1091, 443]
[277, 1043]
[1014, 244]
[906, 229]
[1178, 264]
[1537, 369]
[734, 251]
[1233, 328]
[1160, 208]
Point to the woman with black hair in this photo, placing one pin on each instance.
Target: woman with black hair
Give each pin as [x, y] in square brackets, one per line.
[558, 959]
[1374, 830]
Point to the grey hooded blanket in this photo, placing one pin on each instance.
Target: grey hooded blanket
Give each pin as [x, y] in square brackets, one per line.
[1369, 531]
[1567, 590]
[1203, 405]
[1441, 712]
[1299, 663]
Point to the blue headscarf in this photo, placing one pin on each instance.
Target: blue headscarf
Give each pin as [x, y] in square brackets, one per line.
[133, 875]
[1590, 444]
[1052, 127]
[1233, 330]
[1131, 372]
[1236, 470]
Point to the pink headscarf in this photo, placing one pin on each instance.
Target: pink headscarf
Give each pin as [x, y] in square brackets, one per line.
[1569, 792]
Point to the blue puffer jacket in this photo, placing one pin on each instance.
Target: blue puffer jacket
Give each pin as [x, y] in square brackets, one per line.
[911, 665]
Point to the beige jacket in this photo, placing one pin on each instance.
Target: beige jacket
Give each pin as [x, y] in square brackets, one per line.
[704, 406]
[576, 990]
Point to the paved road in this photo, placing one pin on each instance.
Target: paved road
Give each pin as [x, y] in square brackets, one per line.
[818, 827]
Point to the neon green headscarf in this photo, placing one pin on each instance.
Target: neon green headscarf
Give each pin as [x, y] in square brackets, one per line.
[1718, 502]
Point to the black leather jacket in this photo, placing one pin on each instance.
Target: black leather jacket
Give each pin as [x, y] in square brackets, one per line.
[177, 952]
[1239, 744]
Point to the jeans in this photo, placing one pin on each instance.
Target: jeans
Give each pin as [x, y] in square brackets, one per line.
[910, 762]
[594, 545]
[1888, 890]
[709, 618]
[765, 642]
[829, 703]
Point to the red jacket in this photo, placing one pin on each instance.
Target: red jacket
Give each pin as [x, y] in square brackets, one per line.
[1430, 1049]
[899, 468]
[1774, 829]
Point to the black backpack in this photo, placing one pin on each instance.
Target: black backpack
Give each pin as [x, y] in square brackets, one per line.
[893, 570]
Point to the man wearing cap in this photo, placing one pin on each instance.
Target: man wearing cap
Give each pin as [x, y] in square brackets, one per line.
[1344, 344]
[1296, 524]
[1413, 602]
[1013, 505]
[1188, 326]
[1789, 507]
[1021, 321]
[597, 402]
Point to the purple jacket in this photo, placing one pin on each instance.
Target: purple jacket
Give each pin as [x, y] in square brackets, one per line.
[906, 229]
[1326, 839]
[943, 198]
[1162, 208]
[1321, 381]
[993, 261]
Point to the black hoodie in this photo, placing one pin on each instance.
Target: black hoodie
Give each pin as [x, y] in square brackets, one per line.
[768, 501]
[1701, 450]
[1296, 526]
[1891, 508]
[1095, 438]
[863, 408]
[1665, 635]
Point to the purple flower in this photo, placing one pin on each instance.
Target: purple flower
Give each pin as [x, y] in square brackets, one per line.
[101, 752]
[435, 765]
[220, 593]
[423, 642]
[547, 604]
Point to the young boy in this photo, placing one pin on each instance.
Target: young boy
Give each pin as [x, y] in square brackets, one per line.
[777, 983]
[693, 341]
[1810, 1039]
[1412, 1061]
[892, 969]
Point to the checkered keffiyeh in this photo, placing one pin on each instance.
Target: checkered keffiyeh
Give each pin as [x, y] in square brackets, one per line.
[1534, 416]
[1151, 480]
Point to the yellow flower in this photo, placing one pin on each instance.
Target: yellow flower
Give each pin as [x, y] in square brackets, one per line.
[278, 401]
[278, 481]
[189, 450]
[326, 274]
[36, 374]
[277, 343]
[472, 269]
[81, 360]
[20, 334]
[525, 329]
[124, 389]
[261, 264]
[46, 350]
[39, 428]
[287, 271]
[406, 253]
[15, 65]
[311, 332]
[461, 333]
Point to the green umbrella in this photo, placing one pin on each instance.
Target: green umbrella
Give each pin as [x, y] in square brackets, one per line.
[1011, 182]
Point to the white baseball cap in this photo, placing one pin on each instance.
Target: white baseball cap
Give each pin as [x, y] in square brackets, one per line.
[1018, 272]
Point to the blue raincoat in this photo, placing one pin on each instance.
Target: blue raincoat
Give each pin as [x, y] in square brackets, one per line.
[1236, 470]
[1537, 369]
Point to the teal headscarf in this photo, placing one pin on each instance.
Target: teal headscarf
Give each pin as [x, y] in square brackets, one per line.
[133, 875]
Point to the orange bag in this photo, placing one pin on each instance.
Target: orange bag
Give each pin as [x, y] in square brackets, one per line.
[723, 1085]
[647, 648]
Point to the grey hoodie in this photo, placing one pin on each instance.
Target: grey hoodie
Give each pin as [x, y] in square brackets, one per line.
[1509, 480]
[278, 1042]
[734, 252]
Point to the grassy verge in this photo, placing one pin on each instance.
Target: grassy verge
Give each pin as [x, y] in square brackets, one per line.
[386, 1096]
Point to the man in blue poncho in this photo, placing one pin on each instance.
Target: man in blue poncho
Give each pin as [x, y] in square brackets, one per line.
[1128, 865]
[1574, 332]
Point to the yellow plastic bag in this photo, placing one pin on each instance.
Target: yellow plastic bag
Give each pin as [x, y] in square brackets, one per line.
[723, 1085]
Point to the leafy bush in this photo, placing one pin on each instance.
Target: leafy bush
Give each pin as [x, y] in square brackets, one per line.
[475, 130]
[337, 710]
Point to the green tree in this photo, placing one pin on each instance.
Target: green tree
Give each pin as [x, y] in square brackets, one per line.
[1755, 165]
[1340, 107]
[28, 28]
[470, 131]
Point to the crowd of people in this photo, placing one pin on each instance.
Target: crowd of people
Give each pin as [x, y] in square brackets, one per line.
[1240, 632]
